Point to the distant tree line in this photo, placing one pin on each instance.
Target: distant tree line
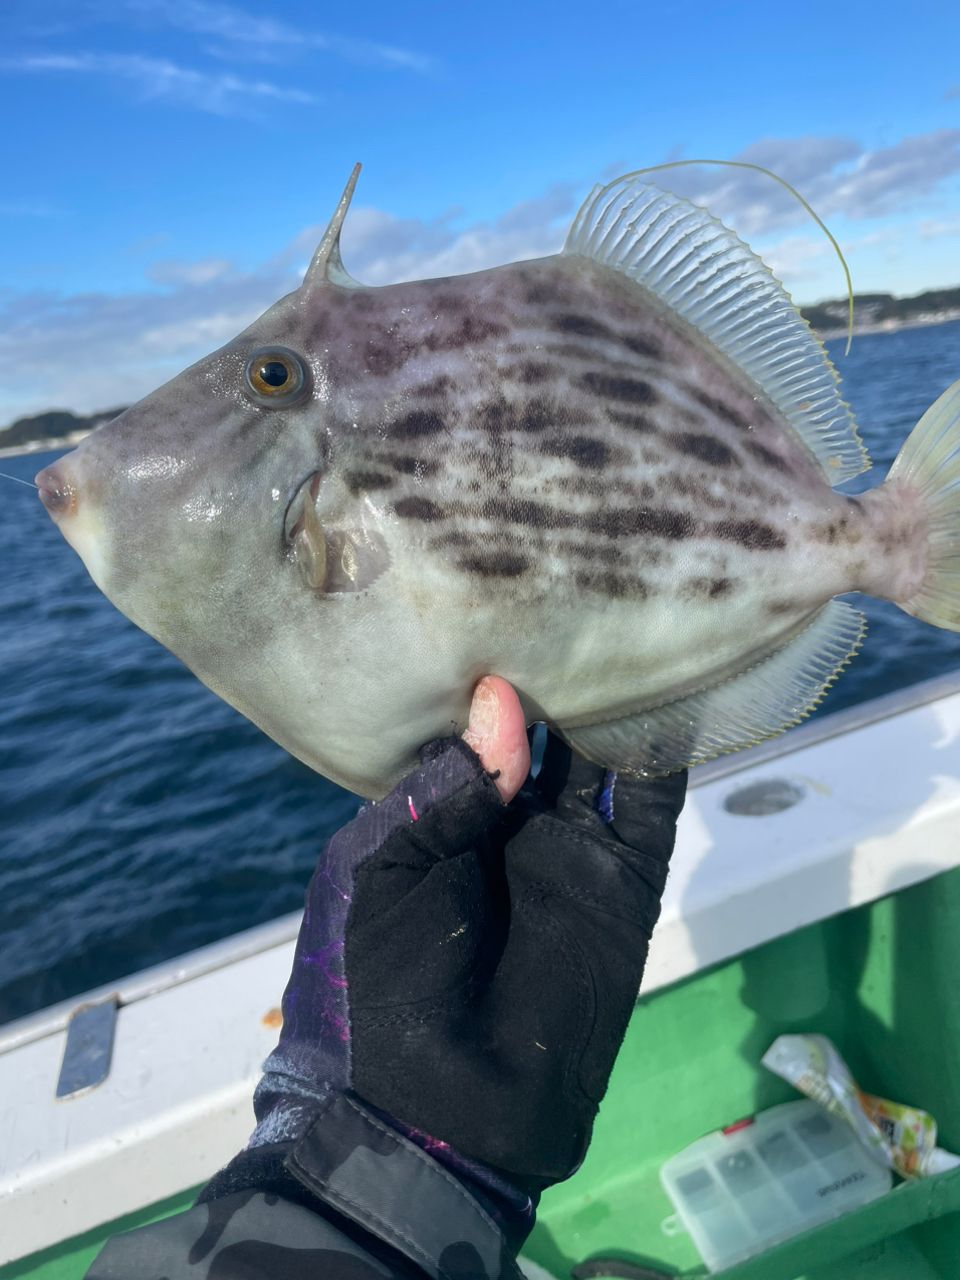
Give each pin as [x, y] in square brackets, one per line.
[54, 425]
[878, 308]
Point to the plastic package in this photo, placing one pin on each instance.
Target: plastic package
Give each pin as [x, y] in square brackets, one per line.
[741, 1189]
[903, 1137]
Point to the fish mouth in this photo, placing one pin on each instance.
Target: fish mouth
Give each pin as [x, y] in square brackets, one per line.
[297, 513]
[57, 492]
[65, 493]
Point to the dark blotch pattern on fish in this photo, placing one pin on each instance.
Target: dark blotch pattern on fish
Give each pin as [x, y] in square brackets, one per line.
[719, 409]
[754, 535]
[384, 353]
[522, 511]
[583, 326]
[455, 538]
[470, 329]
[366, 481]
[606, 553]
[614, 585]
[842, 530]
[634, 421]
[439, 386]
[628, 522]
[494, 564]
[642, 345]
[417, 508]
[500, 415]
[704, 448]
[537, 292]
[585, 451]
[692, 487]
[767, 456]
[706, 588]
[419, 422]
[532, 372]
[411, 466]
[599, 484]
[612, 387]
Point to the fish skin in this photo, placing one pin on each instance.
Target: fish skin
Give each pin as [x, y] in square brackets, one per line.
[557, 481]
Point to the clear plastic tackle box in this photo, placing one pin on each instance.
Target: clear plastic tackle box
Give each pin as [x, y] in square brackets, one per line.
[739, 1190]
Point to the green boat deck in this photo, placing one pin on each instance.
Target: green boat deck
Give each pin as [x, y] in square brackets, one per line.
[881, 981]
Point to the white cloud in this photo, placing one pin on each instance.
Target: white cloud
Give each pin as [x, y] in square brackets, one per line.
[88, 351]
[893, 176]
[791, 259]
[934, 228]
[379, 248]
[246, 35]
[807, 264]
[870, 240]
[836, 175]
[199, 333]
[172, 271]
[159, 78]
[226, 33]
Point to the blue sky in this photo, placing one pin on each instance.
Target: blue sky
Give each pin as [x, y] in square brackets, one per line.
[169, 164]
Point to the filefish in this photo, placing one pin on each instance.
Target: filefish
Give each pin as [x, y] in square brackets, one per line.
[605, 475]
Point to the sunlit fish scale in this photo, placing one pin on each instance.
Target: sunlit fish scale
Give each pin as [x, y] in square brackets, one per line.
[605, 475]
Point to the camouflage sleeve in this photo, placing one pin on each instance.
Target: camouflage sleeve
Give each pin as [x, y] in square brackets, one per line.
[368, 1203]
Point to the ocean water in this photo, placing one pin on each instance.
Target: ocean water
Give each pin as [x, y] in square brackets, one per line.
[140, 816]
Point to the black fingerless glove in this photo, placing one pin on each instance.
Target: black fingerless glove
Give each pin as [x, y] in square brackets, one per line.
[463, 978]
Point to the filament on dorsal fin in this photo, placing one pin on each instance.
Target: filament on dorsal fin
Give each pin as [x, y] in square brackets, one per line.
[758, 168]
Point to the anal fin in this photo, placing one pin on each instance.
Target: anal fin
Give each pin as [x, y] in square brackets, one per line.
[769, 697]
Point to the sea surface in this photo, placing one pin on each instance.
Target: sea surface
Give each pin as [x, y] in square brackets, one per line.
[141, 817]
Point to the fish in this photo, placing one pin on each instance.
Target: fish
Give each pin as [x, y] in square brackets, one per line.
[607, 475]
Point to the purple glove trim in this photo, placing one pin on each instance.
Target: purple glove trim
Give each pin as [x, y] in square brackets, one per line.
[605, 797]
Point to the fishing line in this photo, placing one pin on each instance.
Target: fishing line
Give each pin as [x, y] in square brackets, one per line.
[28, 483]
[758, 168]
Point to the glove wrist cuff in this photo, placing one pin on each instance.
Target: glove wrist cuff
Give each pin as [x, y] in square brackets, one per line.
[372, 1174]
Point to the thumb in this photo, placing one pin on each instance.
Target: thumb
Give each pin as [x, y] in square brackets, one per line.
[497, 732]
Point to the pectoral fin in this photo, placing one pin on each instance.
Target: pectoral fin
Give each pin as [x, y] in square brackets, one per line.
[336, 561]
[355, 559]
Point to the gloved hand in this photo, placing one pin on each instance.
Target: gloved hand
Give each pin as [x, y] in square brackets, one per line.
[468, 967]
[463, 977]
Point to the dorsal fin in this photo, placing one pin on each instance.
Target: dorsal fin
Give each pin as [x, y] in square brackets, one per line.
[706, 275]
[327, 265]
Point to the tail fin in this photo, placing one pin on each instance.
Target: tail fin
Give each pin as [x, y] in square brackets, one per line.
[930, 463]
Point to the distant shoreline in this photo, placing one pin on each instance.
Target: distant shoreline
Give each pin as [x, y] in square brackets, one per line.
[890, 326]
[45, 446]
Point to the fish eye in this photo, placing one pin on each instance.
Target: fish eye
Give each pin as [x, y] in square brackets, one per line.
[275, 376]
